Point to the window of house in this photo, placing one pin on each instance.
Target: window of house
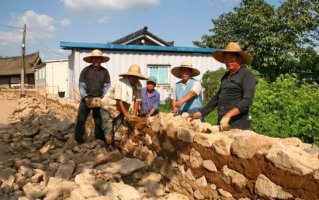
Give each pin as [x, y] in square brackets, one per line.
[160, 72]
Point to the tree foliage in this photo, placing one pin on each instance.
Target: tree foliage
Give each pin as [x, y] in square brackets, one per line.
[211, 82]
[279, 39]
[287, 108]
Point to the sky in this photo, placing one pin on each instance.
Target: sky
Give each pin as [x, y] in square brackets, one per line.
[100, 21]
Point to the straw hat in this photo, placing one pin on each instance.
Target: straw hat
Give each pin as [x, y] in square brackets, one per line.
[96, 53]
[176, 71]
[134, 70]
[233, 47]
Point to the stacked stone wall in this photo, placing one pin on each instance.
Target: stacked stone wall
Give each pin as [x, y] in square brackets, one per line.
[200, 162]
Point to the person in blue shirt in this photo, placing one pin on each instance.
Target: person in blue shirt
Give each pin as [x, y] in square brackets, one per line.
[150, 98]
[188, 91]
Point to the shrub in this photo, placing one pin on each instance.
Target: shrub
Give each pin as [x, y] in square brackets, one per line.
[211, 82]
[287, 108]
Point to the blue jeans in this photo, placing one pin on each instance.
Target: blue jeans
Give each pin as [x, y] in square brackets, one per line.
[83, 113]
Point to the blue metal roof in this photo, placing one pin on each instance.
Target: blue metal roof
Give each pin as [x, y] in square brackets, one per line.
[121, 47]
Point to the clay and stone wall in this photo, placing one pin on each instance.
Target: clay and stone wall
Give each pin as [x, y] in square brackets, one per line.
[194, 158]
[204, 163]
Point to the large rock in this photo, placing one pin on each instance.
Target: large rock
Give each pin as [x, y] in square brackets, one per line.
[65, 170]
[151, 177]
[34, 191]
[103, 157]
[64, 125]
[292, 158]
[7, 176]
[195, 158]
[125, 166]
[231, 176]
[247, 144]
[185, 134]
[121, 191]
[265, 188]
[222, 144]
[175, 196]
[84, 178]
[31, 131]
[209, 165]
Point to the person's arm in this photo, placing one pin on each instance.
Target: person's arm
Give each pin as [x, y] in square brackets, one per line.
[186, 98]
[136, 106]
[212, 104]
[82, 84]
[107, 83]
[174, 108]
[248, 88]
[155, 105]
[151, 112]
[195, 90]
[123, 110]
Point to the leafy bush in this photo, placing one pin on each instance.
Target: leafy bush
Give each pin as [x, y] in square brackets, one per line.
[211, 82]
[287, 108]
[166, 106]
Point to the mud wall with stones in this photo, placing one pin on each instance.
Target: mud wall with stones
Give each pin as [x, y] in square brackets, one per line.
[202, 163]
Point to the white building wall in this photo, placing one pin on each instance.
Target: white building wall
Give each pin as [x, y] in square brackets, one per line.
[53, 77]
[121, 60]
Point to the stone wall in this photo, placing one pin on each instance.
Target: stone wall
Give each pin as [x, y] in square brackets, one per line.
[200, 162]
[203, 163]
[66, 107]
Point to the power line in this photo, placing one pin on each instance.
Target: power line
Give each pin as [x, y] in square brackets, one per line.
[44, 45]
[11, 26]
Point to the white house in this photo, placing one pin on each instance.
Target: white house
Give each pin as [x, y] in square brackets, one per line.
[155, 57]
[52, 76]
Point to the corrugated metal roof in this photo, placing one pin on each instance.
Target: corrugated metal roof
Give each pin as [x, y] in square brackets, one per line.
[120, 47]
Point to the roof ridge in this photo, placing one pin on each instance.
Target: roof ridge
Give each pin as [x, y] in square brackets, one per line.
[143, 31]
[14, 57]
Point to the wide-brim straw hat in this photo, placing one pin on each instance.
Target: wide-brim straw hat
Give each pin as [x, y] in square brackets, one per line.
[134, 70]
[176, 71]
[96, 53]
[233, 47]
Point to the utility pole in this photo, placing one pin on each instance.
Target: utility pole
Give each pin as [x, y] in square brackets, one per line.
[22, 92]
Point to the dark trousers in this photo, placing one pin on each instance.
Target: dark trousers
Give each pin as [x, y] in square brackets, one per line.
[83, 113]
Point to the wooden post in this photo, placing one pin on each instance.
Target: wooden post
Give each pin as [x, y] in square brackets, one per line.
[22, 92]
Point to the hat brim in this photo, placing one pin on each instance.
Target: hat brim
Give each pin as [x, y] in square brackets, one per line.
[139, 76]
[245, 57]
[89, 59]
[149, 81]
[177, 73]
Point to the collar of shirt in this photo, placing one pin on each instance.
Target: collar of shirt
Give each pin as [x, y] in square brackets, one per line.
[92, 67]
[236, 72]
[153, 94]
[184, 84]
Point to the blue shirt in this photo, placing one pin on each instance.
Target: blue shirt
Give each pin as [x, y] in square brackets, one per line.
[149, 102]
[194, 104]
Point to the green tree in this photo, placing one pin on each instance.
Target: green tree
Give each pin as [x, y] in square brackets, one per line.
[211, 82]
[277, 38]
